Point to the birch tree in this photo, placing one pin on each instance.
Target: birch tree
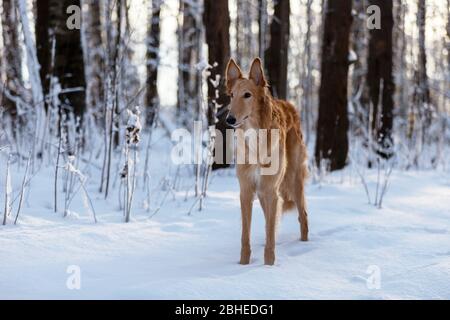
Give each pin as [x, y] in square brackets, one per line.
[11, 56]
[188, 54]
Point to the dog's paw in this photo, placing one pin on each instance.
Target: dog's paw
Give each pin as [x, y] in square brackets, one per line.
[269, 257]
[245, 258]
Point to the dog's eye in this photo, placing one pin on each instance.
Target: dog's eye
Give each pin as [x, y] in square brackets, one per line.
[232, 95]
[247, 95]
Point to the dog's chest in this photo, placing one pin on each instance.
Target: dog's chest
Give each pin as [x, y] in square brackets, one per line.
[253, 174]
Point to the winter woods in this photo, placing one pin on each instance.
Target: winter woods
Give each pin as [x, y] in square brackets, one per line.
[370, 80]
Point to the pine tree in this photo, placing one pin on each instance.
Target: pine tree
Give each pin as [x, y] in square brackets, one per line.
[276, 56]
[217, 25]
[153, 34]
[332, 125]
[380, 80]
[52, 27]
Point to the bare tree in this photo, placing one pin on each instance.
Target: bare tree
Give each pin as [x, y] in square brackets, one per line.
[380, 80]
[276, 55]
[68, 56]
[96, 58]
[307, 78]
[217, 25]
[43, 46]
[400, 64]
[422, 98]
[262, 24]
[359, 46]
[246, 42]
[153, 34]
[188, 55]
[332, 125]
[11, 58]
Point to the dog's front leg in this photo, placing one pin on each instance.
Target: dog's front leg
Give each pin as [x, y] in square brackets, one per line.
[246, 211]
[271, 204]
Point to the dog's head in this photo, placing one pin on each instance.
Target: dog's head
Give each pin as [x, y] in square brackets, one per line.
[246, 94]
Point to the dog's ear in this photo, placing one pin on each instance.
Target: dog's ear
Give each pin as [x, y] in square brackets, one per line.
[233, 73]
[257, 73]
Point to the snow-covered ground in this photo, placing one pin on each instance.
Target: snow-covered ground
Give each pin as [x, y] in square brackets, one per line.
[355, 250]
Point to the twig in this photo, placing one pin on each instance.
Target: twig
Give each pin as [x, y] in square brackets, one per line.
[22, 191]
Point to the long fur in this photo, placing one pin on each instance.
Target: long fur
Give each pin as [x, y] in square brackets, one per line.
[285, 189]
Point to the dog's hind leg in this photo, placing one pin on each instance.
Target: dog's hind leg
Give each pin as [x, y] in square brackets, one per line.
[302, 213]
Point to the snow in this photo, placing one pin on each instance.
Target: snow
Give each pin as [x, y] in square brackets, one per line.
[168, 254]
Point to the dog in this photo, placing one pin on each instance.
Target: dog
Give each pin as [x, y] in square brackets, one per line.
[253, 107]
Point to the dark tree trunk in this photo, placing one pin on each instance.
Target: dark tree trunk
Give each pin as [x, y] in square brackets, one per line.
[380, 79]
[96, 60]
[217, 25]
[400, 64]
[188, 57]
[277, 53]
[332, 126]
[422, 98]
[153, 40]
[11, 57]
[68, 63]
[42, 31]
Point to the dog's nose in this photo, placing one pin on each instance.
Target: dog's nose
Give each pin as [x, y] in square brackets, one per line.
[231, 120]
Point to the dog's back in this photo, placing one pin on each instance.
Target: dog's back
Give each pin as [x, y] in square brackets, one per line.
[296, 154]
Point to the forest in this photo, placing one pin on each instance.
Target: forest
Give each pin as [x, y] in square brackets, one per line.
[95, 96]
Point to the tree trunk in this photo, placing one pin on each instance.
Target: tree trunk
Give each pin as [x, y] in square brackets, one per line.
[359, 45]
[448, 39]
[277, 53]
[130, 86]
[217, 25]
[188, 36]
[246, 44]
[42, 31]
[69, 63]
[96, 59]
[262, 23]
[380, 80]
[400, 63]
[307, 77]
[332, 126]
[11, 57]
[422, 99]
[152, 98]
